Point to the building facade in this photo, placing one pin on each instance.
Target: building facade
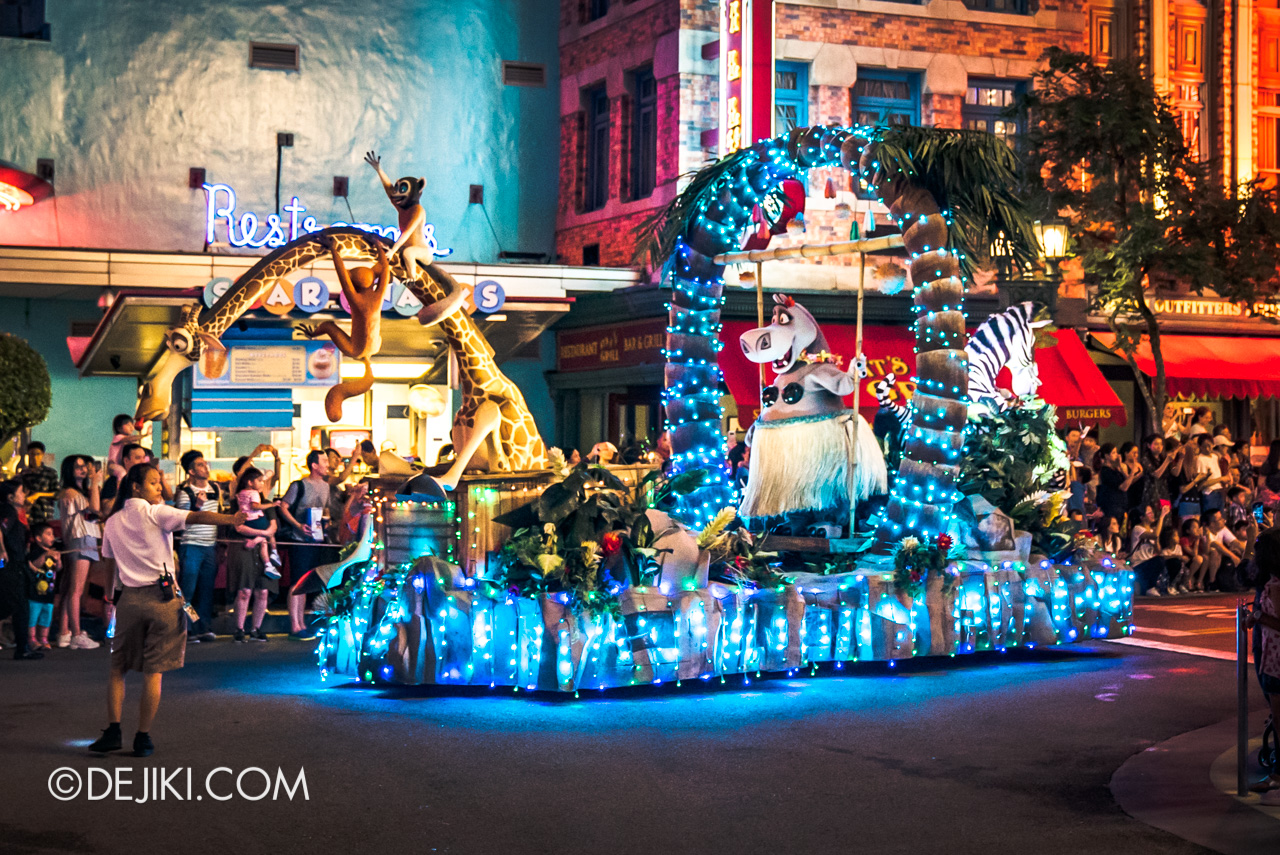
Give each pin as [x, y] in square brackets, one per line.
[941, 63]
[174, 136]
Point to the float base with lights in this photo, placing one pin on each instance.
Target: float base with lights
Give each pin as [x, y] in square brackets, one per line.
[567, 579]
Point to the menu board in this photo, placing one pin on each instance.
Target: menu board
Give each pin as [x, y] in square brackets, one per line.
[301, 363]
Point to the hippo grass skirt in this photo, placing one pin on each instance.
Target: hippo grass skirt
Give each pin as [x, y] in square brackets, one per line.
[806, 463]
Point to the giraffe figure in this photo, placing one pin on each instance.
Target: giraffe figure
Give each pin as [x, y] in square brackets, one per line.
[493, 421]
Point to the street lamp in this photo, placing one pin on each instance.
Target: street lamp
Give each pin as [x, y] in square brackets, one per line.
[1052, 236]
[1001, 253]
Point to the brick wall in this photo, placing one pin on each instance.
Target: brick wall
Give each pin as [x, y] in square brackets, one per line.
[572, 163]
[829, 104]
[644, 26]
[616, 237]
[697, 109]
[941, 110]
[958, 37]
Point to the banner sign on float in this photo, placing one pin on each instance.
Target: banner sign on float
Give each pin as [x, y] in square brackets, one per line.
[299, 363]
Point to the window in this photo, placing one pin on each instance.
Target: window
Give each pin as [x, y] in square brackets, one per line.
[1014, 7]
[23, 19]
[886, 98]
[1106, 31]
[790, 96]
[1268, 139]
[644, 135]
[596, 181]
[984, 103]
[597, 9]
[1190, 109]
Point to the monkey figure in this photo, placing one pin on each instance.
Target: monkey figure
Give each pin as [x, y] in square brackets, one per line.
[406, 194]
[363, 287]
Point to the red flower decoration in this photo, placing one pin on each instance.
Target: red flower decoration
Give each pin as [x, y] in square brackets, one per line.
[611, 543]
[944, 542]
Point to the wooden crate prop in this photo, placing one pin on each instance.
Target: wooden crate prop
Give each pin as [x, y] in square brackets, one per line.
[480, 498]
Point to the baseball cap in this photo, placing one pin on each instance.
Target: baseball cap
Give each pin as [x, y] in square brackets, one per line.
[1220, 440]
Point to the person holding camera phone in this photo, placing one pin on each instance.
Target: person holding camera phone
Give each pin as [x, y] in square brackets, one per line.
[151, 630]
[79, 507]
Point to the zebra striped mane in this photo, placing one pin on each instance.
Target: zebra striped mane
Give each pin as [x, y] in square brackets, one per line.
[1006, 338]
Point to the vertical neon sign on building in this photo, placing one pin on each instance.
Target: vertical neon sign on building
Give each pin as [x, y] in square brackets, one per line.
[746, 73]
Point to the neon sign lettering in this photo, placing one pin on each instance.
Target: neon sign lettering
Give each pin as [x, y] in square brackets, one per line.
[243, 230]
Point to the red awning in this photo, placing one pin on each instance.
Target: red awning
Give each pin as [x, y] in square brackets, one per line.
[1209, 366]
[1068, 377]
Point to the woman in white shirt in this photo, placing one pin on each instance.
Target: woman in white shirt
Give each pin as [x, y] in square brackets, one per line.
[78, 509]
[151, 634]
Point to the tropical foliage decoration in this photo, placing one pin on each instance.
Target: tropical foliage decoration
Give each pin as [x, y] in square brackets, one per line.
[586, 538]
[915, 560]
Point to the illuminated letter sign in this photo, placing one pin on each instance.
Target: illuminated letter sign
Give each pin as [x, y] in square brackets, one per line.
[249, 230]
[746, 73]
[489, 296]
[310, 294]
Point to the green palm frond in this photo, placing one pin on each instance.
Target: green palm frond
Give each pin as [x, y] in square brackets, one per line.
[975, 178]
[656, 236]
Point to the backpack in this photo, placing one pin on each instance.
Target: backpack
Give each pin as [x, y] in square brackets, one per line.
[191, 499]
[286, 531]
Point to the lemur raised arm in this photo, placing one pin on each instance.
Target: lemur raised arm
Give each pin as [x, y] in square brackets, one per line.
[406, 195]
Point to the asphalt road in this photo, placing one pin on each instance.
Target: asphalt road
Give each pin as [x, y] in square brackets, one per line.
[984, 754]
[1203, 624]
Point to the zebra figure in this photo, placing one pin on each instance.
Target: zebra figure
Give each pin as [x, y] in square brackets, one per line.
[900, 413]
[892, 421]
[1006, 338]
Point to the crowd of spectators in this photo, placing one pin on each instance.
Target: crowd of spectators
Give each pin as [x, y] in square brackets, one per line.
[1184, 509]
[51, 572]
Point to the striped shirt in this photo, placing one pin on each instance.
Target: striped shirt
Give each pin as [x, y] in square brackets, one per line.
[206, 498]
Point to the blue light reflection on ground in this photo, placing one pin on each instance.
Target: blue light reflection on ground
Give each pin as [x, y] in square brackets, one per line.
[871, 691]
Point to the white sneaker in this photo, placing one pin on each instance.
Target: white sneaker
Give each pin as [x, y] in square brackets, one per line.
[83, 642]
[64, 639]
[271, 572]
[1151, 592]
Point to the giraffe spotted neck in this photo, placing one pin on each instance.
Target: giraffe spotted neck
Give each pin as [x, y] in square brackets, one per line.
[519, 444]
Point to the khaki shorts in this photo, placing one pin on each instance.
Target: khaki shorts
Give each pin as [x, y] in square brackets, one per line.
[151, 634]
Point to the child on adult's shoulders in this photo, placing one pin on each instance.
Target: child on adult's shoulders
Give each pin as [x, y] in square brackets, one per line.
[124, 431]
[44, 563]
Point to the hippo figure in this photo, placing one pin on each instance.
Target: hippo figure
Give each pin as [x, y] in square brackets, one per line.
[810, 455]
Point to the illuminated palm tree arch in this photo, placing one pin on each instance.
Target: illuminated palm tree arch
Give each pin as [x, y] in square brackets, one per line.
[949, 191]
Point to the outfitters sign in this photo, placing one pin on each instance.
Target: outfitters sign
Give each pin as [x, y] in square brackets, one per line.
[1214, 308]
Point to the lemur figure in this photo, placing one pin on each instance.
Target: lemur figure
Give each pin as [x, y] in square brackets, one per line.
[363, 288]
[406, 195]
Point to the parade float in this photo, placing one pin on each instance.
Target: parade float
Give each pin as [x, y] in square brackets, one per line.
[512, 568]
